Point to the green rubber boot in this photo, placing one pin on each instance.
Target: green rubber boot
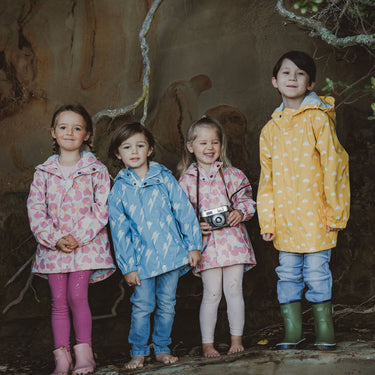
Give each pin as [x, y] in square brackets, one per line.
[324, 330]
[292, 315]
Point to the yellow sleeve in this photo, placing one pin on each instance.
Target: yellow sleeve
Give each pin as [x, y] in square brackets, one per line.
[335, 165]
[265, 196]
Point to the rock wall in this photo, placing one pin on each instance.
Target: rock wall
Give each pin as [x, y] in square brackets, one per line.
[211, 56]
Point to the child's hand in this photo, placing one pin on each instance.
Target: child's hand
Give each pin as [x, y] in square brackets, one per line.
[330, 229]
[132, 278]
[194, 257]
[235, 217]
[268, 237]
[72, 241]
[64, 245]
[205, 228]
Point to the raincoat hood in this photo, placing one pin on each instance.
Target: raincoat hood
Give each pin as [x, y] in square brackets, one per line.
[311, 101]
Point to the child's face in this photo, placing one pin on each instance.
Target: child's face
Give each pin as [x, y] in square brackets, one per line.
[70, 131]
[292, 83]
[206, 146]
[134, 152]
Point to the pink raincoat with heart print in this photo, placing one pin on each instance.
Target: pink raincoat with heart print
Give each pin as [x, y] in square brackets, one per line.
[76, 205]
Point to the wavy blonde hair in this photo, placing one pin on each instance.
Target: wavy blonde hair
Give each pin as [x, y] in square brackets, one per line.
[191, 134]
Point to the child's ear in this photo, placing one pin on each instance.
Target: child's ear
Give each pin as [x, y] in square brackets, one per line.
[150, 151]
[311, 86]
[274, 83]
[87, 136]
[53, 133]
[189, 146]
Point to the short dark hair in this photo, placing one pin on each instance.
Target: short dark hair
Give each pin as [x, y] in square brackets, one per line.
[302, 60]
[80, 110]
[124, 132]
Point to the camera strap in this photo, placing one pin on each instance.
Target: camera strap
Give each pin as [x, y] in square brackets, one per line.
[226, 191]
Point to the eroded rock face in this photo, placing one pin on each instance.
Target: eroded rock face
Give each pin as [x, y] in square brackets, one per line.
[204, 59]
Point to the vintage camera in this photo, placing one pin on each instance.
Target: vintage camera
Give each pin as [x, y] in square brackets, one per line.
[216, 217]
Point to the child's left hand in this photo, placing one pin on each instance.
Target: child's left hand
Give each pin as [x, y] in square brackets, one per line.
[330, 229]
[194, 257]
[235, 217]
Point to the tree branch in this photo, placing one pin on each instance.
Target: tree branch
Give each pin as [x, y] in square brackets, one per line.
[146, 73]
[317, 29]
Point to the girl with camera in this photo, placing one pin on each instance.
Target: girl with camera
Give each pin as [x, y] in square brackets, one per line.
[222, 197]
[156, 239]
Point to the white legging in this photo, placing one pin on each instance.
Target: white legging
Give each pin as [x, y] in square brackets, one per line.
[215, 280]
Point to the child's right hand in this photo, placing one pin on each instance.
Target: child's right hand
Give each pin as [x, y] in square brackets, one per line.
[205, 228]
[132, 278]
[268, 237]
[64, 245]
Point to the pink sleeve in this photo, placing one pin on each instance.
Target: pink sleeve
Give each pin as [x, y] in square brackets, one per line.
[41, 224]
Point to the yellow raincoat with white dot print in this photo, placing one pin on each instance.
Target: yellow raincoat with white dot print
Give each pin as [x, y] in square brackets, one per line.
[304, 182]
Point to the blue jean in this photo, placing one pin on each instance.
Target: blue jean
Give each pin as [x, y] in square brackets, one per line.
[155, 295]
[297, 270]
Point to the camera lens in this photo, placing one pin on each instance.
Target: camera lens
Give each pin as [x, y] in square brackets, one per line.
[218, 220]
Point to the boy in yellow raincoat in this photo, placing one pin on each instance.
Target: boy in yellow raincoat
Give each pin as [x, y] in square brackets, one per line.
[303, 196]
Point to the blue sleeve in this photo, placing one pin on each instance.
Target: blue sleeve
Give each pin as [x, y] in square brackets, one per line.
[121, 232]
[185, 216]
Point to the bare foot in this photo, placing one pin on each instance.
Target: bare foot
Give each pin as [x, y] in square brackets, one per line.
[166, 358]
[135, 362]
[236, 345]
[209, 351]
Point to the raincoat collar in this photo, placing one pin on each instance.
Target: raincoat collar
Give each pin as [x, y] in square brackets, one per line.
[86, 161]
[192, 170]
[311, 100]
[129, 176]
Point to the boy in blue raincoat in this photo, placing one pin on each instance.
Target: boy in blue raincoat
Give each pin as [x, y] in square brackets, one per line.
[156, 237]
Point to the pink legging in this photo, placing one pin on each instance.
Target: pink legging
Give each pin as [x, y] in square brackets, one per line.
[70, 290]
[215, 280]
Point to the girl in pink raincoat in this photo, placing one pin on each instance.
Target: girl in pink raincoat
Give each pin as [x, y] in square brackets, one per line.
[67, 208]
[222, 197]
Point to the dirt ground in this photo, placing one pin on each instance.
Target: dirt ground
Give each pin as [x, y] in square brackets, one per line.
[29, 351]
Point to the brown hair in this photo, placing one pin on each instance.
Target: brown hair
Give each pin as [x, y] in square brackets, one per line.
[80, 110]
[124, 132]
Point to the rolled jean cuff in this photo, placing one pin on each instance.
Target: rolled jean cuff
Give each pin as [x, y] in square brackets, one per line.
[161, 349]
[139, 353]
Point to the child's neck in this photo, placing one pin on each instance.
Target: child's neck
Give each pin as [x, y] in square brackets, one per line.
[206, 167]
[142, 171]
[69, 158]
[293, 103]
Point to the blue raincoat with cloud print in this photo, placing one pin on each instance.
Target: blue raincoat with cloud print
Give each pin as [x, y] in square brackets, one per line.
[153, 223]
